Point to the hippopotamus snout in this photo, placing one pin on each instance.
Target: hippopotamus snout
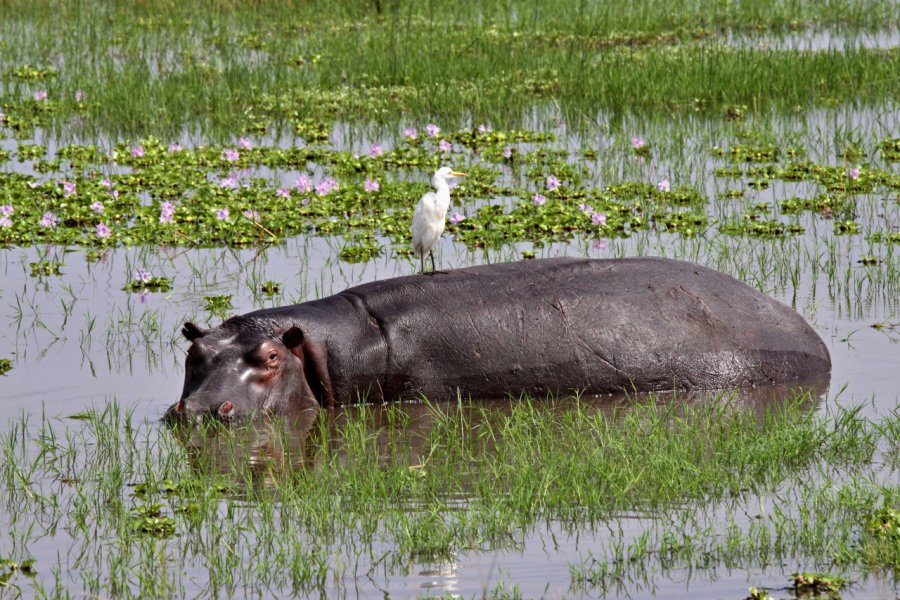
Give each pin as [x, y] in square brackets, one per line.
[240, 375]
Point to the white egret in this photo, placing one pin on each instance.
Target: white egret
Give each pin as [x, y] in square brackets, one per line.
[431, 212]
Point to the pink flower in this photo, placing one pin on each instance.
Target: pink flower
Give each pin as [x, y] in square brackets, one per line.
[303, 184]
[598, 218]
[229, 182]
[143, 275]
[445, 146]
[230, 154]
[375, 151]
[69, 188]
[552, 183]
[507, 152]
[5, 222]
[432, 130]
[638, 142]
[245, 144]
[137, 151]
[251, 214]
[282, 193]
[326, 186]
[40, 95]
[853, 173]
[97, 207]
[7, 210]
[49, 220]
[455, 218]
[411, 133]
[663, 185]
[222, 214]
[166, 212]
[175, 147]
[599, 244]
[103, 231]
[79, 96]
[106, 182]
[538, 199]
[483, 128]
[371, 185]
[586, 208]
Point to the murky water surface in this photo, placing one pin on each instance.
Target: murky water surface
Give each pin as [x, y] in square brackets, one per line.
[78, 340]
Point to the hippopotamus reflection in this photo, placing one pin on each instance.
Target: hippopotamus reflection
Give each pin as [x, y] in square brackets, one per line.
[544, 326]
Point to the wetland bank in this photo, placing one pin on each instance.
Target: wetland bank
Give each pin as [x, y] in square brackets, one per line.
[166, 162]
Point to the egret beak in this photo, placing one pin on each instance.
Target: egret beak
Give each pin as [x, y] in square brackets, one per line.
[457, 174]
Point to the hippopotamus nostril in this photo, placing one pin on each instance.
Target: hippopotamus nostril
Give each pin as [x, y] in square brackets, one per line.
[226, 408]
[179, 406]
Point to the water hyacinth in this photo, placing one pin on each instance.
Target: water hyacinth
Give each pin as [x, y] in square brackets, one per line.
[303, 184]
[445, 146]
[586, 208]
[507, 152]
[371, 185]
[638, 142]
[166, 213]
[175, 147]
[432, 130]
[411, 133]
[326, 186]
[6, 210]
[231, 155]
[69, 188]
[103, 231]
[283, 193]
[538, 199]
[455, 218]
[853, 172]
[663, 185]
[598, 218]
[375, 151]
[484, 128]
[223, 213]
[137, 151]
[79, 96]
[5, 222]
[49, 220]
[552, 183]
[251, 214]
[97, 207]
[41, 95]
[106, 182]
[245, 144]
[229, 182]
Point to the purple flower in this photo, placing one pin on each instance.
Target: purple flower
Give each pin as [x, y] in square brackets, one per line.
[853, 173]
[638, 142]
[49, 220]
[251, 214]
[375, 151]
[245, 144]
[106, 182]
[97, 207]
[445, 146]
[229, 182]
[143, 275]
[166, 212]
[137, 151]
[144, 295]
[222, 214]
[79, 96]
[538, 199]
[40, 95]
[586, 208]
[303, 184]
[371, 185]
[552, 183]
[483, 128]
[175, 147]
[663, 185]
[69, 188]
[411, 133]
[102, 230]
[282, 193]
[230, 154]
[432, 130]
[455, 218]
[507, 152]
[598, 218]
[5, 222]
[6, 210]
[326, 186]
[599, 244]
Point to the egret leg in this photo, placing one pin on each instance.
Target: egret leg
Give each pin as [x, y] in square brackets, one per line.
[433, 268]
[421, 263]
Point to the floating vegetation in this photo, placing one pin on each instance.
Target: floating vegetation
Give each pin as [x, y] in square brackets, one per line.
[5, 366]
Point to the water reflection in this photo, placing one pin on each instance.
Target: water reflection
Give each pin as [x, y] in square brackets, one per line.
[265, 452]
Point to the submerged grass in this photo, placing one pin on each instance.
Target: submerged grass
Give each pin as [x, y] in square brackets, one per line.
[383, 486]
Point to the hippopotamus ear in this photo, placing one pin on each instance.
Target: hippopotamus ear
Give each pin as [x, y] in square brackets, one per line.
[192, 332]
[292, 338]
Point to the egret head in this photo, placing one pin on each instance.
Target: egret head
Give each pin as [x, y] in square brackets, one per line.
[444, 174]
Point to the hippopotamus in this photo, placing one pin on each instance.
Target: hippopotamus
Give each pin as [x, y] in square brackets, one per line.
[538, 327]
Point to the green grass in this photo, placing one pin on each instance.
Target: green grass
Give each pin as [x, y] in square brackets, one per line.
[268, 507]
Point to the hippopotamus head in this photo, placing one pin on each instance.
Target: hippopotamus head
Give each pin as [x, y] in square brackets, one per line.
[233, 372]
